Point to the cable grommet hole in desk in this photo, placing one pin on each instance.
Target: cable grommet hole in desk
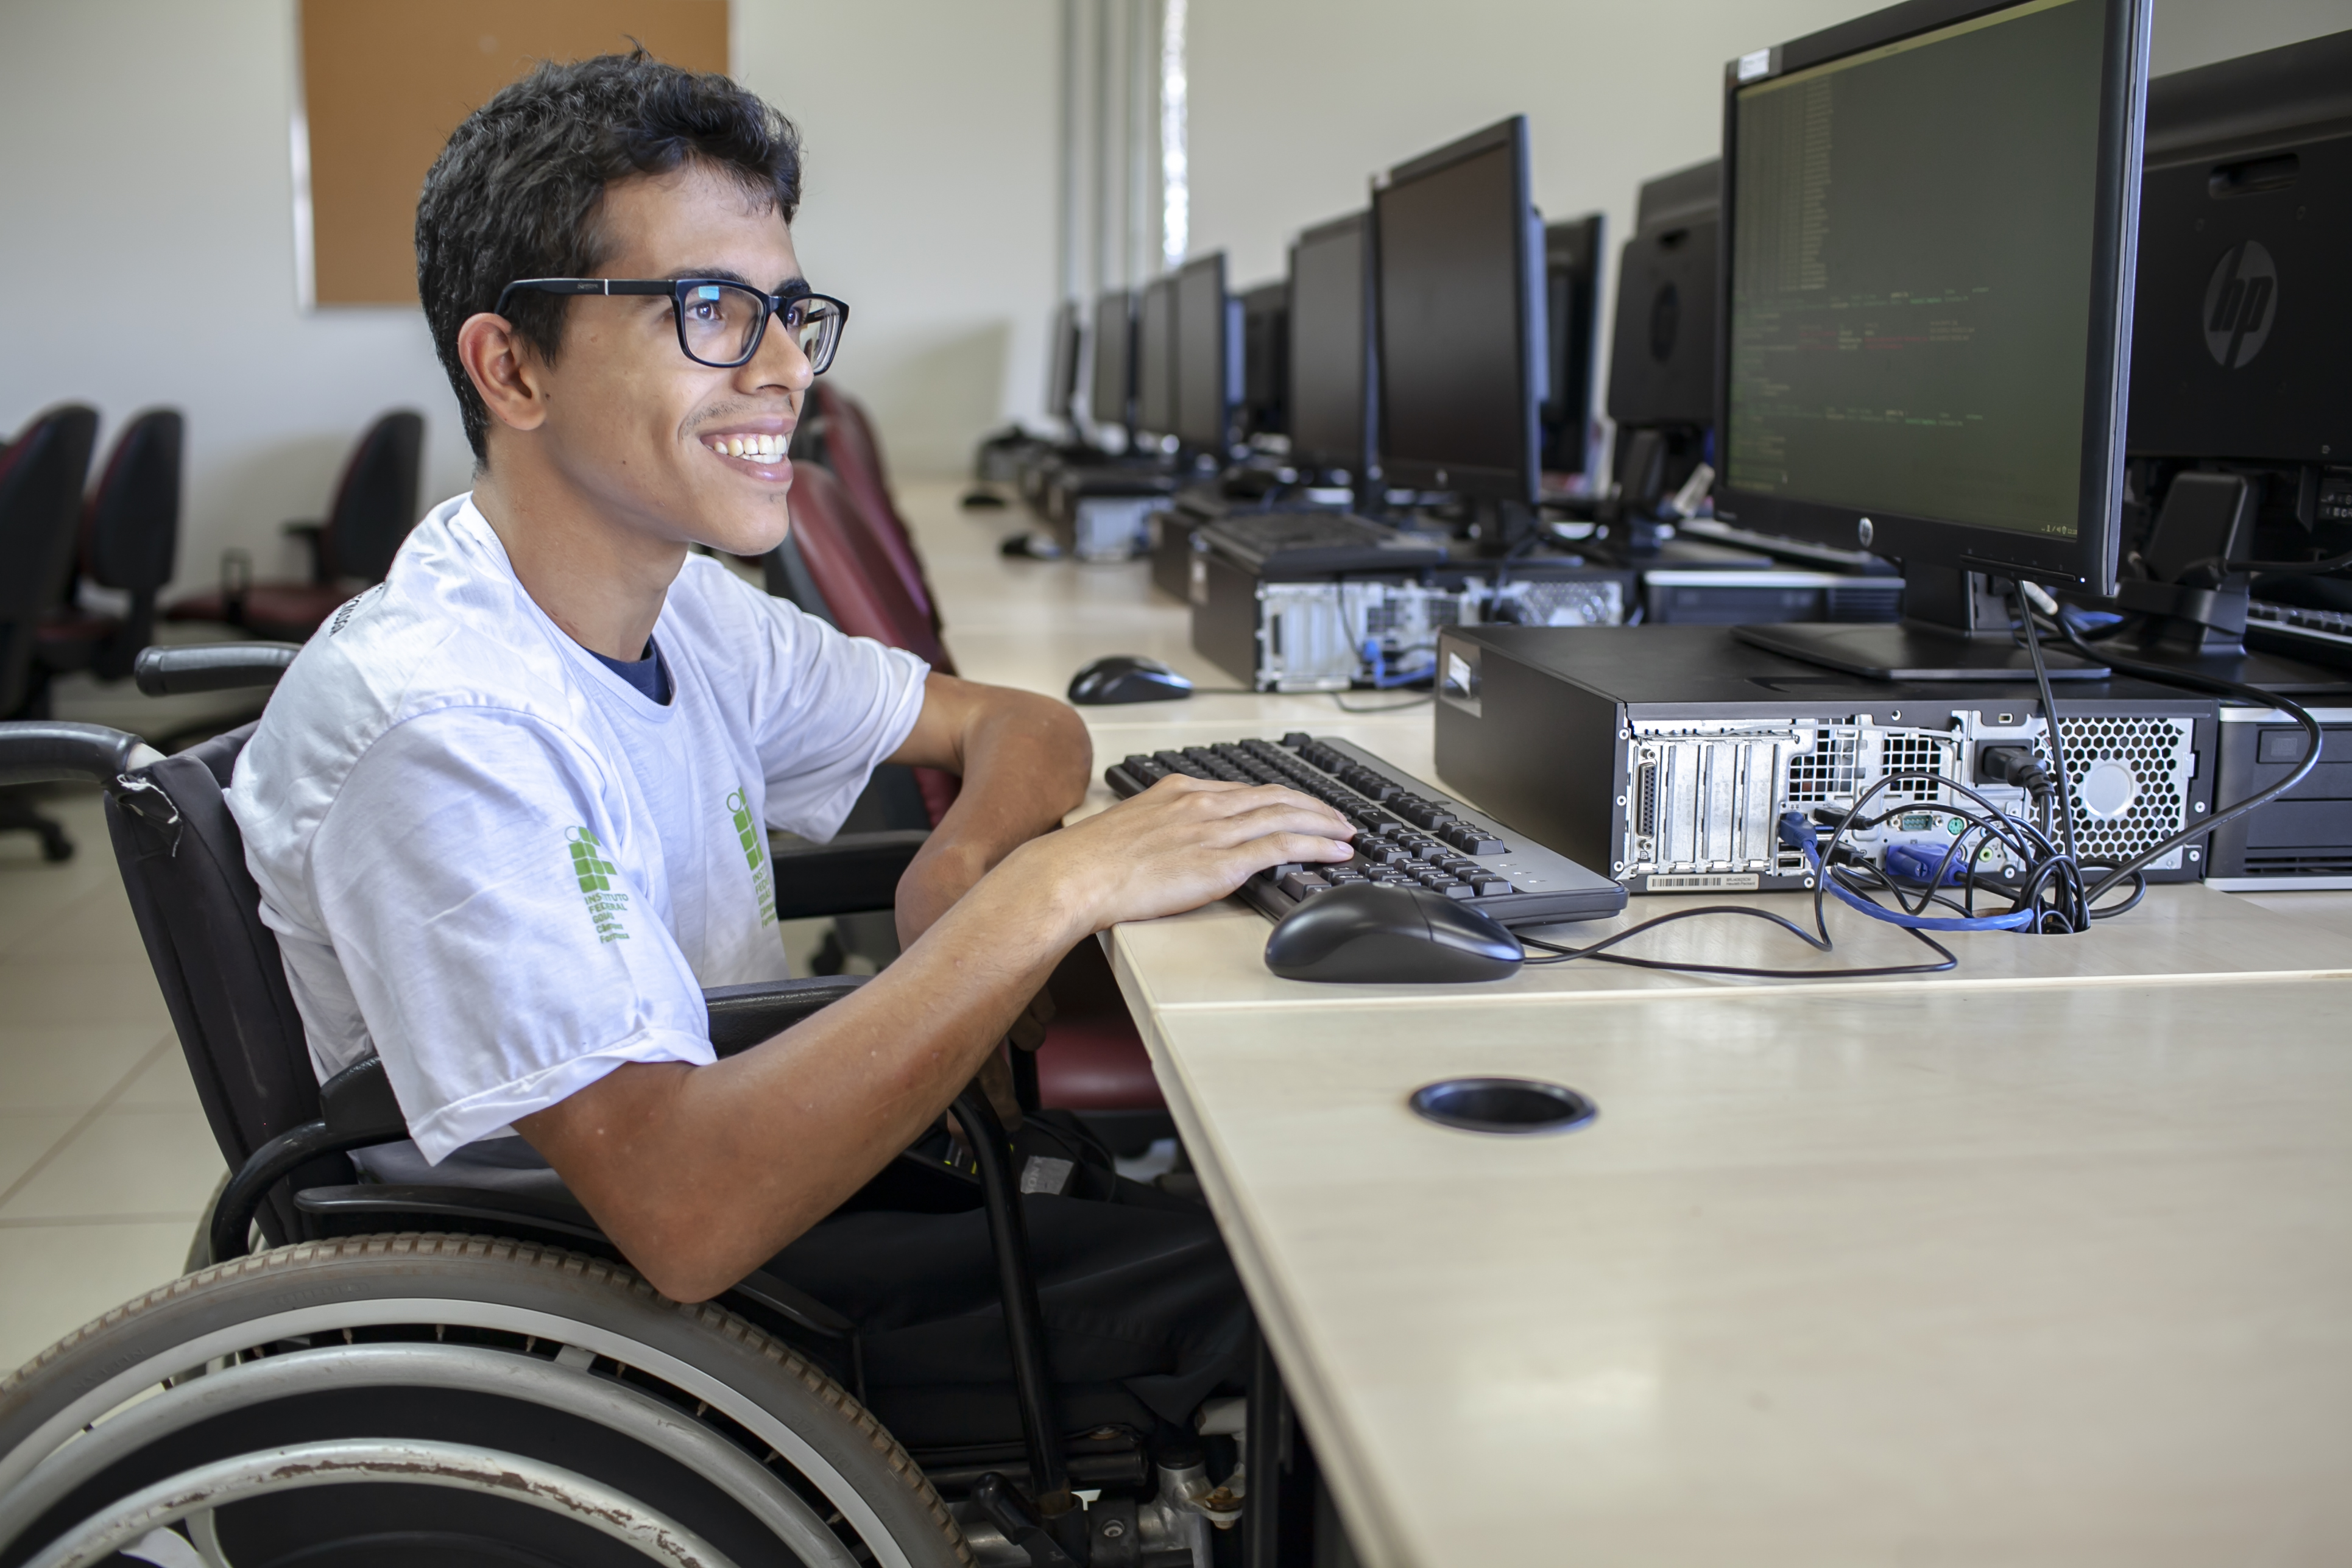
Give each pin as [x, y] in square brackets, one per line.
[1503, 1105]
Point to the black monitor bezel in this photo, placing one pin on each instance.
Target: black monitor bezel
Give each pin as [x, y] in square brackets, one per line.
[1360, 461]
[2087, 561]
[1164, 285]
[1524, 484]
[1066, 353]
[1192, 441]
[1122, 420]
[1586, 240]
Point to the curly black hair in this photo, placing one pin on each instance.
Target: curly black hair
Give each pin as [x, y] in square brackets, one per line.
[515, 193]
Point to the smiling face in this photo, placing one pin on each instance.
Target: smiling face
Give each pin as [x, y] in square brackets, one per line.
[658, 445]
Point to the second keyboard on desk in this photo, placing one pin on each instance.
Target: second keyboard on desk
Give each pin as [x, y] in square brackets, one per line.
[1406, 831]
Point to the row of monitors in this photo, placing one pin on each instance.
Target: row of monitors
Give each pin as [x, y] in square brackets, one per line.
[1911, 298]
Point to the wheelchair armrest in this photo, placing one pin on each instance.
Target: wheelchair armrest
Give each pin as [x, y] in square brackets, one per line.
[49, 751]
[855, 873]
[358, 1102]
[211, 666]
[744, 1015]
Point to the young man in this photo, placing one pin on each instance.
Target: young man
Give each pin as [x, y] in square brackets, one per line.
[505, 810]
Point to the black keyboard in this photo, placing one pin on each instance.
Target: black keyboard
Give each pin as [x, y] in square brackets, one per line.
[2322, 636]
[1407, 831]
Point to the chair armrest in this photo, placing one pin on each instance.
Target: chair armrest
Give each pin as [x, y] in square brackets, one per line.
[313, 534]
[744, 1015]
[211, 666]
[358, 1104]
[51, 750]
[856, 873]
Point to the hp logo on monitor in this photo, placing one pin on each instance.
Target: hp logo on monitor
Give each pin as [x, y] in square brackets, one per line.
[2239, 304]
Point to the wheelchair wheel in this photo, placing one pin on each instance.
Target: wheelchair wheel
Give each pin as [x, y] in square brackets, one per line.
[384, 1400]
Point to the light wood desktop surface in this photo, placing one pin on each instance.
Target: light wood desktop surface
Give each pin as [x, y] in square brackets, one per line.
[2045, 1260]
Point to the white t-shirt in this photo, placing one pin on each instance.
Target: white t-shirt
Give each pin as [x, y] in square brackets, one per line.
[493, 862]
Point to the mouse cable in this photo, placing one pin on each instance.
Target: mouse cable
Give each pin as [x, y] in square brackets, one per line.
[1597, 952]
[2195, 680]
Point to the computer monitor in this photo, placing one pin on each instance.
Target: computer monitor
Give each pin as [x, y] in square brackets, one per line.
[1265, 360]
[1662, 348]
[1458, 259]
[1155, 360]
[1208, 358]
[1331, 380]
[1062, 364]
[1571, 306]
[1112, 399]
[1929, 216]
[2242, 330]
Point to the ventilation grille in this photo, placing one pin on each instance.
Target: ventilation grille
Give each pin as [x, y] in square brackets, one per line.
[2158, 756]
[1825, 772]
[1915, 753]
[2325, 863]
[1601, 603]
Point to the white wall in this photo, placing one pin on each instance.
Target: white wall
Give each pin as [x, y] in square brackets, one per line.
[1295, 104]
[146, 247]
[147, 252]
[932, 127]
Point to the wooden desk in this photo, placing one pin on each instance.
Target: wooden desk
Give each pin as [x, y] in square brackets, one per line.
[2046, 1261]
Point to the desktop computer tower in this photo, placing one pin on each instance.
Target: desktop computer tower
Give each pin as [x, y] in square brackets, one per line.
[2304, 838]
[1666, 755]
[1328, 631]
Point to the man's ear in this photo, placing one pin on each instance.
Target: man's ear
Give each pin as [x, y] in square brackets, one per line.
[505, 372]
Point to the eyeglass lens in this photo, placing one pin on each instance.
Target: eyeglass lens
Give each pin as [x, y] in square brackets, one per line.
[718, 324]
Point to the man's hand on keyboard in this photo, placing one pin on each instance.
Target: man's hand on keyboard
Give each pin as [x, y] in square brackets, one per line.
[1182, 843]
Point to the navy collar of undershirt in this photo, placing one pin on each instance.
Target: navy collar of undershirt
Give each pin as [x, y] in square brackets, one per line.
[648, 673]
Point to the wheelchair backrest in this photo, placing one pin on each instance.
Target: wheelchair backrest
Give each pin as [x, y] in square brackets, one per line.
[199, 912]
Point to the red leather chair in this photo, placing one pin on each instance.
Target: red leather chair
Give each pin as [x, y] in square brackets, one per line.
[860, 590]
[375, 506]
[1093, 1058]
[129, 541]
[846, 443]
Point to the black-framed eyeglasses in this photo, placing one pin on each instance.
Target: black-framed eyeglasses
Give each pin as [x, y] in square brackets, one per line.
[719, 323]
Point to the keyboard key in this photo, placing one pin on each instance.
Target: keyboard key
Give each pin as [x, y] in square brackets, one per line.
[1480, 845]
[1458, 891]
[1300, 884]
[1492, 887]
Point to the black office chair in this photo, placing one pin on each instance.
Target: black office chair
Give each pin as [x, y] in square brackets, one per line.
[374, 511]
[41, 473]
[478, 1334]
[129, 542]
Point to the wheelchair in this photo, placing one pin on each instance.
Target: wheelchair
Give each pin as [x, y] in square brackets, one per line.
[463, 1371]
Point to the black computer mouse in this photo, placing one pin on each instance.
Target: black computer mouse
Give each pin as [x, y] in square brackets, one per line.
[1368, 932]
[1127, 678]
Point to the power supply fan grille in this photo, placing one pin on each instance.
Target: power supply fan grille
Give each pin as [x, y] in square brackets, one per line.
[1826, 770]
[1914, 754]
[2130, 785]
[1599, 604]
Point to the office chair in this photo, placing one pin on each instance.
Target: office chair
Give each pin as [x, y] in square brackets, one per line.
[479, 1335]
[129, 541]
[374, 507]
[844, 442]
[41, 475]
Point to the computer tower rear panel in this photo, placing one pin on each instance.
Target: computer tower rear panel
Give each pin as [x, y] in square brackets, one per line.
[1666, 756]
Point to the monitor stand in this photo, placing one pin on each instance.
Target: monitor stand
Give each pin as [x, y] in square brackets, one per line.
[1954, 627]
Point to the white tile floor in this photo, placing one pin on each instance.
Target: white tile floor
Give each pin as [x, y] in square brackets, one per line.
[105, 1159]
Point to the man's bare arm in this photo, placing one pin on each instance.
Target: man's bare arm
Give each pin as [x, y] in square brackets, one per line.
[701, 1174]
[1024, 759]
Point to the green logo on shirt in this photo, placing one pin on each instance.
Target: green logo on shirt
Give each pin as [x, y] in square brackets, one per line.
[763, 880]
[606, 904]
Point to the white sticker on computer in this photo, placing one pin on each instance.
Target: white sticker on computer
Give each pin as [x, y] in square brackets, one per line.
[1754, 64]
